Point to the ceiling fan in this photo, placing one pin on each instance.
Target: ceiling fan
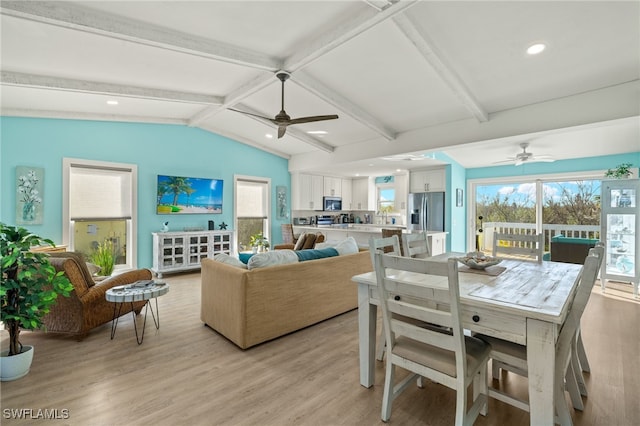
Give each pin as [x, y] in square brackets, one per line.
[526, 157]
[282, 120]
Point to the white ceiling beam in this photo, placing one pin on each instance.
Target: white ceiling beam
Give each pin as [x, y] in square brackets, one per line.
[9, 78]
[338, 101]
[81, 115]
[301, 136]
[242, 92]
[437, 61]
[66, 15]
[342, 33]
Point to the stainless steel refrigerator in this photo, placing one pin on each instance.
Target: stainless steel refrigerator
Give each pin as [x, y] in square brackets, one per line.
[425, 211]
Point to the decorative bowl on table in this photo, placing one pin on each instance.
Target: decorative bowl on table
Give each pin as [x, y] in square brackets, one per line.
[478, 260]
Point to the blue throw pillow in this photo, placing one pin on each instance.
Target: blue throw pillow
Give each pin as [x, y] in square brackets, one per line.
[313, 254]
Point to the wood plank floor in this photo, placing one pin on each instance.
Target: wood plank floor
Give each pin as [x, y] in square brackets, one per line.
[185, 373]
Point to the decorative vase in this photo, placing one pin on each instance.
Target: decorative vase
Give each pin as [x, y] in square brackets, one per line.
[28, 211]
[16, 366]
[254, 249]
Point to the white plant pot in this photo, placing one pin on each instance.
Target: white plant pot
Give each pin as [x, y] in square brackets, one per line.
[16, 366]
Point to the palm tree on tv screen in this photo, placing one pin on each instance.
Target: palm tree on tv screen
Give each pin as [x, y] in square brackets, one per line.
[177, 185]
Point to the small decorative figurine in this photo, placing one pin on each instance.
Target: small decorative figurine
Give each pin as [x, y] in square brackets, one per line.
[165, 227]
[223, 225]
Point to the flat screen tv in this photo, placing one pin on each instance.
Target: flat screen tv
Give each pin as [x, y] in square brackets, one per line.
[187, 195]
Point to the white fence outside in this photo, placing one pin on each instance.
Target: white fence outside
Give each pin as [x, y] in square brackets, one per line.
[550, 231]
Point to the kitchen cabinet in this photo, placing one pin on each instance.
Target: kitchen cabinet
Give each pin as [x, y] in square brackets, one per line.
[332, 187]
[360, 194]
[437, 243]
[433, 180]
[620, 232]
[307, 191]
[346, 194]
[183, 251]
[400, 187]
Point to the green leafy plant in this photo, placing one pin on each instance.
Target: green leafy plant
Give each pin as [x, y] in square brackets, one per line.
[105, 257]
[30, 284]
[622, 171]
[258, 240]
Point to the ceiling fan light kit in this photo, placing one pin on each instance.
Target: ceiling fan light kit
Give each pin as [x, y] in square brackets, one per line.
[526, 157]
[282, 119]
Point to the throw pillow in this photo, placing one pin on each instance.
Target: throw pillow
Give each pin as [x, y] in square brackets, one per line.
[272, 258]
[229, 260]
[300, 242]
[309, 241]
[347, 246]
[313, 254]
[93, 269]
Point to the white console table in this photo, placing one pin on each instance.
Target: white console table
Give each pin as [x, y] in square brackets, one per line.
[183, 251]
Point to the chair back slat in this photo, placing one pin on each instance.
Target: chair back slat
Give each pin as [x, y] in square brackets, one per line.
[523, 246]
[390, 245]
[415, 301]
[416, 245]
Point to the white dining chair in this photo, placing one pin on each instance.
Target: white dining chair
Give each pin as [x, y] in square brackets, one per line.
[416, 245]
[451, 359]
[513, 357]
[579, 358]
[522, 246]
[390, 245]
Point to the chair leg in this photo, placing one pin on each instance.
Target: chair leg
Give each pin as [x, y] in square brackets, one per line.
[481, 387]
[572, 387]
[381, 345]
[564, 417]
[495, 369]
[387, 396]
[582, 354]
[577, 368]
[461, 406]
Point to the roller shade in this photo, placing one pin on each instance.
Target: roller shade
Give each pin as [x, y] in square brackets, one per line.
[99, 193]
[252, 199]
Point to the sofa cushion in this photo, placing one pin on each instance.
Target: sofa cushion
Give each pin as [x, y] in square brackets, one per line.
[313, 254]
[229, 260]
[272, 258]
[562, 239]
[347, 246]
[300, 241]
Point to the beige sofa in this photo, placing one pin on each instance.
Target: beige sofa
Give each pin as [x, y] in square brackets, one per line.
[252, 306]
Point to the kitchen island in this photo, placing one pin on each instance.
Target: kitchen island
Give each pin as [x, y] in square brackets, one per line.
[362, 232]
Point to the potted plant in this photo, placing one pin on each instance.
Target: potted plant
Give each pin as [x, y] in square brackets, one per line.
[29, 287]
[258, 242]
[622, 171]
[104, 256]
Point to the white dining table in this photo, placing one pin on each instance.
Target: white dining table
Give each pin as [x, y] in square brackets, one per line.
[526, 303]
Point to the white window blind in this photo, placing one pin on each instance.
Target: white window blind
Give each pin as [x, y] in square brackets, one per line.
[99, 193]
[252, 199]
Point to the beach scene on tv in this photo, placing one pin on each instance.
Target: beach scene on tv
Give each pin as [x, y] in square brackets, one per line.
[185, 195]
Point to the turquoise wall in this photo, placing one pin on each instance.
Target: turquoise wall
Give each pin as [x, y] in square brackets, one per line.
[563, 166]
[455, 217]
[155, 148]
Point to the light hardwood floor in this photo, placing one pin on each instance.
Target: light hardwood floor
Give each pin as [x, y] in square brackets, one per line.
[185, 373]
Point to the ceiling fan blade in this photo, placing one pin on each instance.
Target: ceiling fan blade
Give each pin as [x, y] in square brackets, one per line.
[510, 160]
[253, 115]
[542, 159]
[519, 162]
[281, 131]
[312, 119]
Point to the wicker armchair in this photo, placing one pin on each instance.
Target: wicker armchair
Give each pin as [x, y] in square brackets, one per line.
[86, 307]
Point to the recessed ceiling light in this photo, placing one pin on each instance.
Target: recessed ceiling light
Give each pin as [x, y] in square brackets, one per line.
[534, 49]
[268, 136]
[112, 102]
[317, 132]
[398, 170]
[357, 174]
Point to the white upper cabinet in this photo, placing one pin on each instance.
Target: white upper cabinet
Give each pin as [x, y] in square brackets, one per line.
[360, 194]
[346, 194]
[400, 185]
[427, 181]
[332, 187]
[307, 191]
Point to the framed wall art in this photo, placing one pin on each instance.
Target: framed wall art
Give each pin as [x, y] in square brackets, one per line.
[459, 197]
[282, 211]
[30, 195]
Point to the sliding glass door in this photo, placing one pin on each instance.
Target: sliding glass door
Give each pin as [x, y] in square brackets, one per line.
[552, 205]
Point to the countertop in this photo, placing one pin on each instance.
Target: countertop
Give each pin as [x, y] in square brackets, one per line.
[356, 227]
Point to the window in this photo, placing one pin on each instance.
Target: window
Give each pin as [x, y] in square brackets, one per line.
[386, 199]
[99, 206]
[566, 204]
[252, 207]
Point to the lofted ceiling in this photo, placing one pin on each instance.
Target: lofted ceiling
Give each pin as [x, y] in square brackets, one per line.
[405, 77]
